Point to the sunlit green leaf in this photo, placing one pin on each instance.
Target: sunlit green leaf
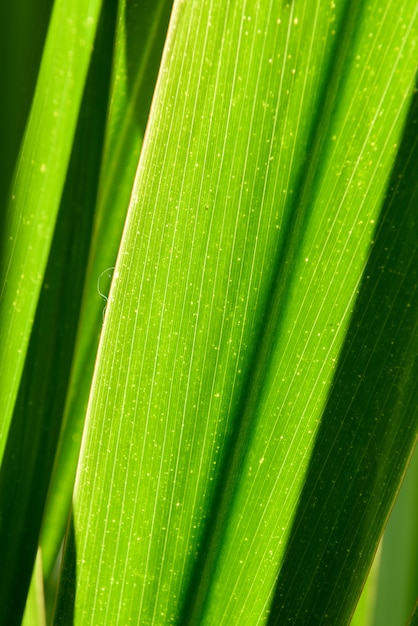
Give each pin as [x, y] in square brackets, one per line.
[253, 408]
[36, 191]
[129, 107]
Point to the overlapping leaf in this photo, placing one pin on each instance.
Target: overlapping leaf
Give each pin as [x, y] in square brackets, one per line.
[35, 194]
[242, 341]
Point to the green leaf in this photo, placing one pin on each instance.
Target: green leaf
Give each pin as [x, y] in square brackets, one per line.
[45, 385]
[398, 572]
[360, 458]
[364, 613]
[414, 617]
[139, 38]
[254, 400]
[23, 26]
[37, 187]
[35, 605]
[31, 445]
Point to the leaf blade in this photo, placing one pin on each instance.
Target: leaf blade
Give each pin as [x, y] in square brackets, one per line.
[37, 186]
[160, 442]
